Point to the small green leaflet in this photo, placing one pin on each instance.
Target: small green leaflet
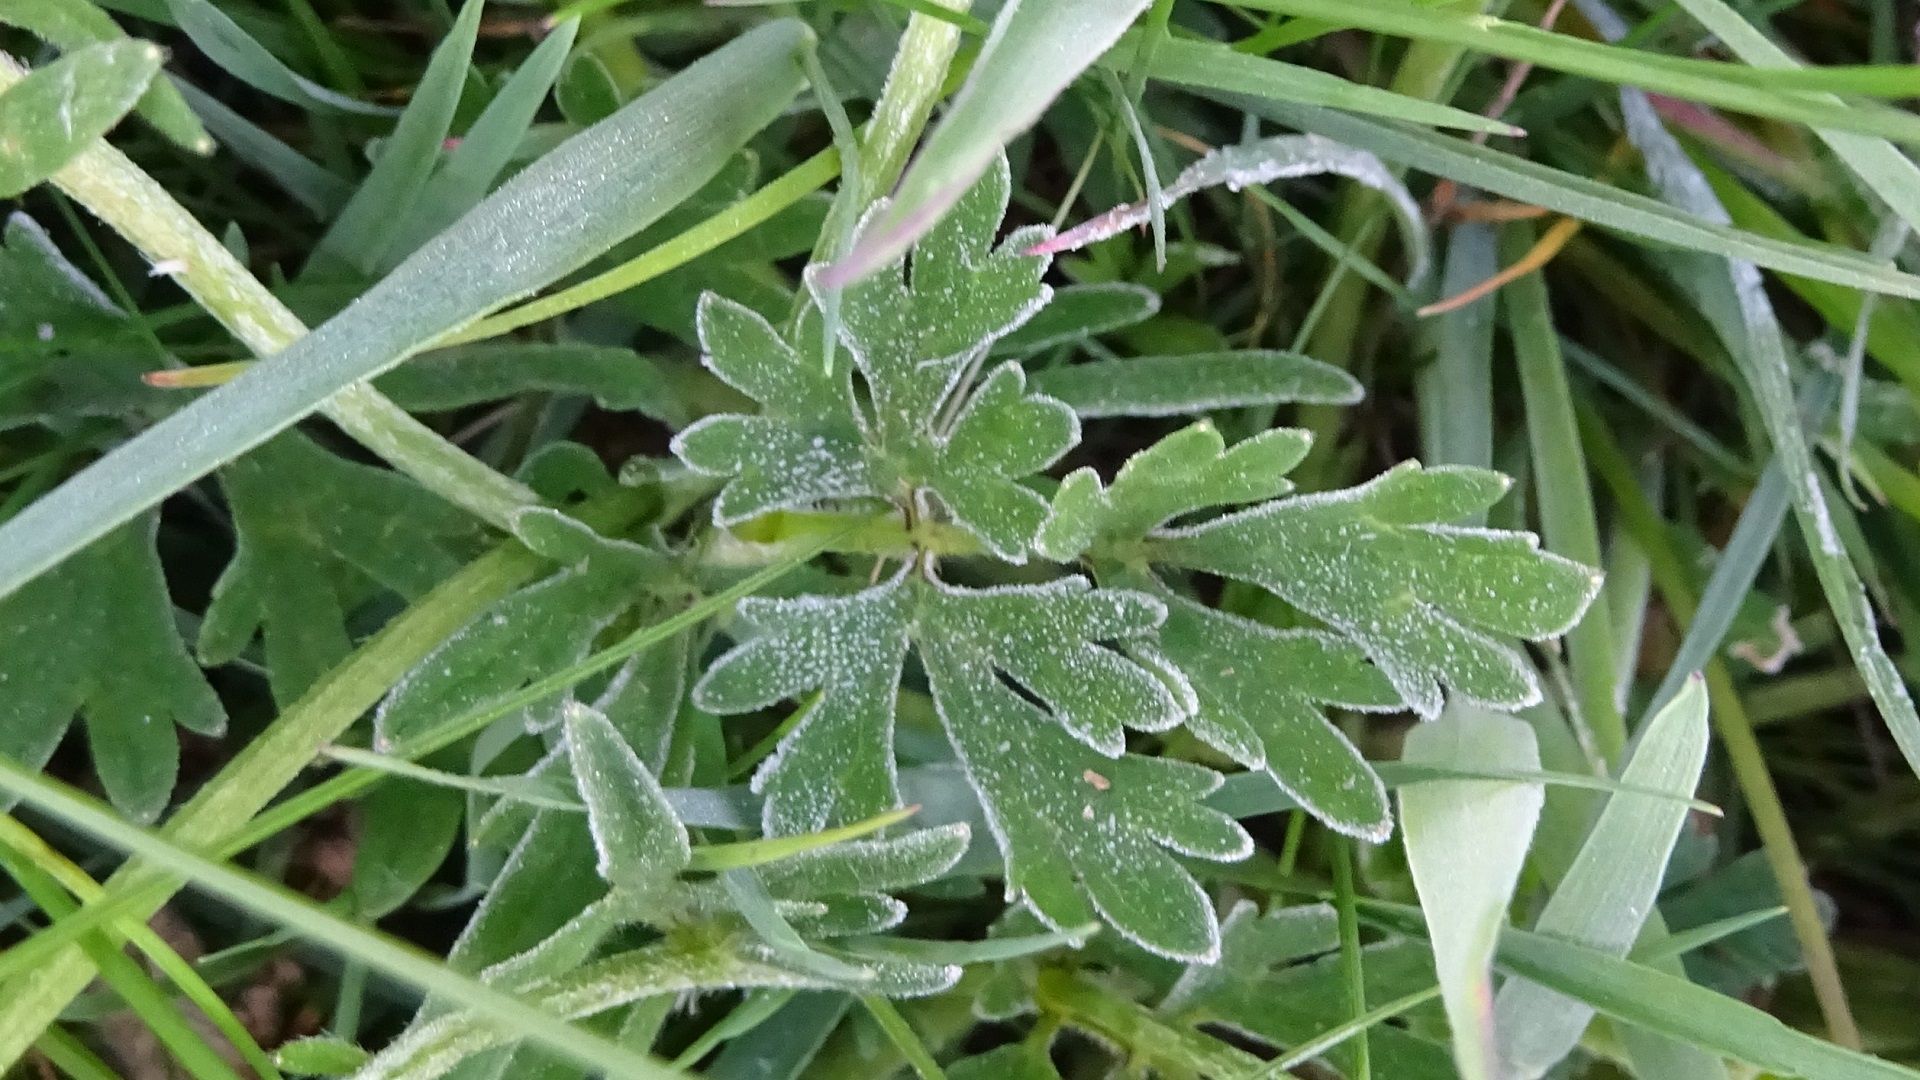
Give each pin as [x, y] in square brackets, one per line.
[314, 531]
[913, 340]
[61, 109]
[96, 638]
[1081, 825]
[74, 24]
[640, 843]
[1381, 563]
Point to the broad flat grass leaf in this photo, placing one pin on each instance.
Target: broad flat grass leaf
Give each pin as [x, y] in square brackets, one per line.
[1034, 51]
[97, 639]
[60, 109]
[1426, 599]
[533, 632]
[1198, 382]
[1466, 843]
[75, 24]
[315, 531]
[616, 378]
[1190, 470]
[641, 844]
[1262, 697]
[912, 338]
[1608, 892]
[574, 203]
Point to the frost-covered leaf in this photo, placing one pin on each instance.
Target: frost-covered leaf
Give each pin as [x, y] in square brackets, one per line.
[63, 108]
[617, 379]
[531, 633]
[1429, 601]
[640, 843]
[96, 638]
[1263, 161]
[1190, 470]
[314, 531]
[1196, 382]
[1262, 694]
[836, 766]
[1081, 827]
[1079, 312]
[912, 338]
[66, 351]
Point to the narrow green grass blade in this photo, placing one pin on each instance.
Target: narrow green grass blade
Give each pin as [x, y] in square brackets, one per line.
[321, 192]
[1734, 300]
[235, 52]
[74, 24]
[301, 915]
[1609, 891]
[1466, 842]
[1781, 94]
[1455, 392]
[364, 228]
[60, 109]
[1891, 174]
[1578, 196]
[486, 148]
[1035, 50]
[1568, 524]
[594, 190]
[1215, 66]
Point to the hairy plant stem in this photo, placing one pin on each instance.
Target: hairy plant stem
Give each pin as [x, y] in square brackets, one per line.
[266, 765]
[1730, 720]
[123, 196]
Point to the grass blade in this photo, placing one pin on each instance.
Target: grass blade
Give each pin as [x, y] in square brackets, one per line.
[597, 188]
[1466, 843]
[1035, 50]
[235, 52]
[364, 228]
[1578, 196]
[1608, 893]
[1214, 66]
[321, 192]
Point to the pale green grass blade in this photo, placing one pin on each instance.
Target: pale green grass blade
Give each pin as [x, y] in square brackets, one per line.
[1609, 891]
[1216, 66]
[74, 24]
[1034, 52]
[1578, 196]
[594, 190]
[1466, 842]
[301, 915]
[60, 109]
[364, 228]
